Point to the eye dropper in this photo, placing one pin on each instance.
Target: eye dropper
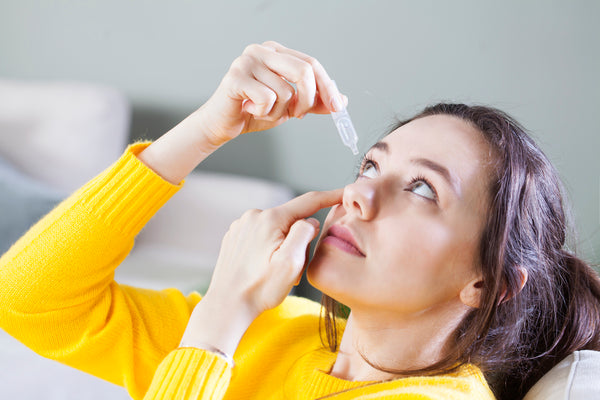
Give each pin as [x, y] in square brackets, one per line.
[343, 123]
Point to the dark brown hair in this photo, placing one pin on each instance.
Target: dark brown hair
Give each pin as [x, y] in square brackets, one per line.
[557, 312]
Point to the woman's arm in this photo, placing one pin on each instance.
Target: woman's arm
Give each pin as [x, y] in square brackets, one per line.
[57, 292]
[255, 94]
[263, 254]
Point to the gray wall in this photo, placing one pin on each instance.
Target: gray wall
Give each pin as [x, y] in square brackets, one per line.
[537, 60]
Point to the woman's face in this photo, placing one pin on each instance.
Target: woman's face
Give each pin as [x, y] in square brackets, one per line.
[415, 214]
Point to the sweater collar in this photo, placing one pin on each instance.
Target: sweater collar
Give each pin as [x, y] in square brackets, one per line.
[309, 378]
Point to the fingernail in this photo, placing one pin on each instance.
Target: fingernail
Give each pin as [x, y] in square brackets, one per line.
[249, 107]
[313, 221]
[301, 116]
[336, 103]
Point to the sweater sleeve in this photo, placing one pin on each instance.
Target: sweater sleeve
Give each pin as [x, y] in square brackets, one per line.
[58, 295]
[189, 373]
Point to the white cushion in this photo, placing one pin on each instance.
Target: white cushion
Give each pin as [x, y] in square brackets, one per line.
[62, 133]
[25, 375]
[574, 378]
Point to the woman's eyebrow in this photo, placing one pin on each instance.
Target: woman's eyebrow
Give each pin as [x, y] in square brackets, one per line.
[448, 176]
[381, 146]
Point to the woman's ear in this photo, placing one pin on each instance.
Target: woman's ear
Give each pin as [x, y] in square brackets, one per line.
[524, 275]
[470, 295]
[522, 281]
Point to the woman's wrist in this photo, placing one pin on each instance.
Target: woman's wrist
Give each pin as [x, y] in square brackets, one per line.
[176, 153]
[218, 324]
[187, 343]
[203, 118]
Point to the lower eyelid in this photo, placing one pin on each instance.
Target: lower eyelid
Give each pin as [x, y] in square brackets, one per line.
[422, 197]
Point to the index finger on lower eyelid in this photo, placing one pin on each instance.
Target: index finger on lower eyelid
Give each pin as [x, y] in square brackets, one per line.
[307, 204]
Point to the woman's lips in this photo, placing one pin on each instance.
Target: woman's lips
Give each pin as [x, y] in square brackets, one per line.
[343, 239]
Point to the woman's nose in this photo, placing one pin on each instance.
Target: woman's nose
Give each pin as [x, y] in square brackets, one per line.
[360, 199]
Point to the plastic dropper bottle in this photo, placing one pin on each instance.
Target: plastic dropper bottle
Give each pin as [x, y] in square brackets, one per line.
[343, 123]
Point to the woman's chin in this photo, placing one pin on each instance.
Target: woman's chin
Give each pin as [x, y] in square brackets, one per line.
[315, 270]
[325, 272]
[326, 284]
[312, 274]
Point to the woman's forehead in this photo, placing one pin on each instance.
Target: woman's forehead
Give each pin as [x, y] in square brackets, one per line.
[437, 130]
[450, 142]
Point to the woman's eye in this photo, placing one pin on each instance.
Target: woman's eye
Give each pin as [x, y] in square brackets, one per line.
[369, 170]
[423, 189]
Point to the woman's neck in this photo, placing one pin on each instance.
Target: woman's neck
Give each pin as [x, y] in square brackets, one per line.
[398, 343]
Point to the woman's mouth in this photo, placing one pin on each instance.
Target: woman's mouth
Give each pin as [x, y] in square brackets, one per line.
[343, 239]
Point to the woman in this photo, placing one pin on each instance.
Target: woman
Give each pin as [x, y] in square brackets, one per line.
[448, 249]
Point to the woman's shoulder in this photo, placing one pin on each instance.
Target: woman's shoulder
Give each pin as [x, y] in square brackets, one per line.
[470, 381]
[466, 383]
[296, 320]
[294, 306]
[293, 310]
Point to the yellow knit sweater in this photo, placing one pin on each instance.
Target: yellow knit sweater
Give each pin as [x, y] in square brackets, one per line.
[58, 296]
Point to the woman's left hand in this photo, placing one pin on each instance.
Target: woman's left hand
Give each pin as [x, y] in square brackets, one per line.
[262, 256]
[264, 252]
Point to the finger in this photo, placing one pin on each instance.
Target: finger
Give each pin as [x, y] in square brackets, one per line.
[293, 248]
[314, 222]
[294, 70]
[328, 92]
[306, 256]
[283, 90]
[306, 205]
[321, 108]
[258, 97]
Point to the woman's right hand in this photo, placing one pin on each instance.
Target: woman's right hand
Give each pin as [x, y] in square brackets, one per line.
[257, 92]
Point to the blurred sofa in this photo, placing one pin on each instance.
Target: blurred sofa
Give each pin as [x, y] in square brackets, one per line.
[54, 137]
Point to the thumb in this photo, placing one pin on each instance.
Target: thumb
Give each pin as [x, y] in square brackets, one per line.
[248, 106]
[293, 248]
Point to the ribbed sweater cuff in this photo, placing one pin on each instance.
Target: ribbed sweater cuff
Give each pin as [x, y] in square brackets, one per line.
[190, 374]
[128, 193]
